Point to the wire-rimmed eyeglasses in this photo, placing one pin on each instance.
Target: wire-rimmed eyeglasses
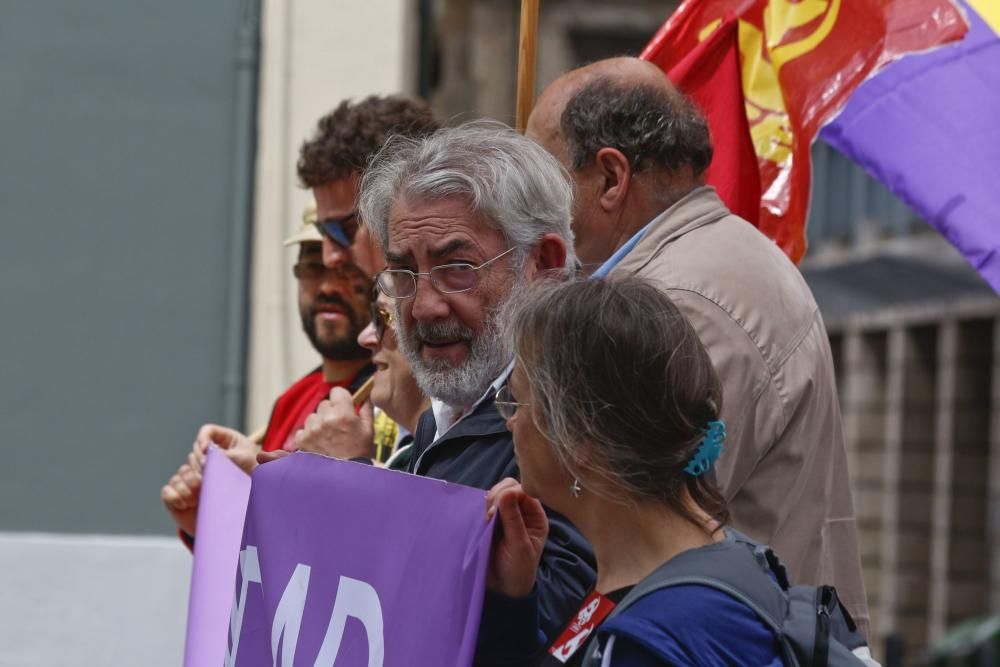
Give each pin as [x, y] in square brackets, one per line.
[506, 405]
[447, 278]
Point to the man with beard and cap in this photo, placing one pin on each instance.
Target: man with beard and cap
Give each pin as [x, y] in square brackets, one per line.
[334, 308]
[467, 219]
[637, 150]
[335, 261]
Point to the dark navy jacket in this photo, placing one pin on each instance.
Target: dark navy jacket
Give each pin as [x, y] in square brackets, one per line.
[478, 451]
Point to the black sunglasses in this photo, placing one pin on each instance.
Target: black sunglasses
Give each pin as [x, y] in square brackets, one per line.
[339, 230]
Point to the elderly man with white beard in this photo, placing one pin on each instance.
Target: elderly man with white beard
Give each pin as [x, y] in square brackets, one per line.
[467, 218]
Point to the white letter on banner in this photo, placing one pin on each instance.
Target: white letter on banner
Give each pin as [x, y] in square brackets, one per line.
[358, 599]
[249, 572]
[288, 616]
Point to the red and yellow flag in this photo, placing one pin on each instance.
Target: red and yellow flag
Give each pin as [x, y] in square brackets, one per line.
[798, 62]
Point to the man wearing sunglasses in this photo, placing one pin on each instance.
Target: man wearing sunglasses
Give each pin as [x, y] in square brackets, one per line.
[336, 257]
[334, 307]
[331, 164]
[332, 161]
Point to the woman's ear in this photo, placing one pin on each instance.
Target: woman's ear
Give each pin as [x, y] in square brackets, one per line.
[616, 178]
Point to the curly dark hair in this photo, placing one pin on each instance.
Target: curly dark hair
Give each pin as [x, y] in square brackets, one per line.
[348, 137]
[653, 127]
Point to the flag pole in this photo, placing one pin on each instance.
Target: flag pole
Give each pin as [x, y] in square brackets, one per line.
[527, 49]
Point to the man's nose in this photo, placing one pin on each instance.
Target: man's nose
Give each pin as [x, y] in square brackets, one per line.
[334, 254]
[428, 303]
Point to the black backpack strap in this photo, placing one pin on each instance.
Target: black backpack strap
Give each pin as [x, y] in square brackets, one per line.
[736, 566]
[809, 622]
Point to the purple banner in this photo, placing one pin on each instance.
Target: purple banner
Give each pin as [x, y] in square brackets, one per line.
[221, 507]
[927, 128]
[346, 564]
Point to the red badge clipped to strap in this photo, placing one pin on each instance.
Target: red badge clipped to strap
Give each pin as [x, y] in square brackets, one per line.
[592, 613]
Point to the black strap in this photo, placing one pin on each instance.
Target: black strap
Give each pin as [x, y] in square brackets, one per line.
[736, 566]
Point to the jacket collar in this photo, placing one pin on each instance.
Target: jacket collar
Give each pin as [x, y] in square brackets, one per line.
[446, 416]
[696, 209]
[483, 420]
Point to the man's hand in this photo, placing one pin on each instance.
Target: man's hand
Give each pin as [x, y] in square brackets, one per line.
[183, 491]
[335, 430]
[180, 496]
[238, 448]
[519, 540]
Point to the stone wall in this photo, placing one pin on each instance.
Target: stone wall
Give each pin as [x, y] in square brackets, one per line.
[919, 398]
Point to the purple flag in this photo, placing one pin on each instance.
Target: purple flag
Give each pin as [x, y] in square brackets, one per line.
[927, 127]
[348, 564]
[221, 507]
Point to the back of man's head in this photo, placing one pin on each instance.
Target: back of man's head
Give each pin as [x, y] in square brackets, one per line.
[654, 126]
[348, 137]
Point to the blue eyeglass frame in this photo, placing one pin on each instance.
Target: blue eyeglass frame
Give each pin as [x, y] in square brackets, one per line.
[333, 229]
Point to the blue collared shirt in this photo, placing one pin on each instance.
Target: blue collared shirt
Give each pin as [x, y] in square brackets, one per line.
[611, 262]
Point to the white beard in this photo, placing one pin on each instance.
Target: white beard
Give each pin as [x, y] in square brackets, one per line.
[489, 353]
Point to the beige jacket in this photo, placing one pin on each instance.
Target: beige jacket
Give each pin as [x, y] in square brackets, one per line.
[784, 469]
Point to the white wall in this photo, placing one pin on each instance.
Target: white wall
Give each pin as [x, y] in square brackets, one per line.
[92, 600]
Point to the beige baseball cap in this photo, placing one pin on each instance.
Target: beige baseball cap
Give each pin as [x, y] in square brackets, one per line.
[308, 233]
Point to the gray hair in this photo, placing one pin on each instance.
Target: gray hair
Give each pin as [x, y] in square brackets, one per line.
[510, 181]
[621, 388]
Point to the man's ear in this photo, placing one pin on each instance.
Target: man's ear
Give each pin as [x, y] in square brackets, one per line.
[616, 175]
[549, 255]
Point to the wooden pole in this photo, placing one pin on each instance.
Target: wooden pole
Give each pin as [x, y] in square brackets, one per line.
[527, 50]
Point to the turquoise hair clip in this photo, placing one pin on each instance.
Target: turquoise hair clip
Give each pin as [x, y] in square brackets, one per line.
[708, 451]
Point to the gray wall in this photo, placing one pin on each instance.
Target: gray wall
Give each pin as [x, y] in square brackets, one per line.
[116, 178]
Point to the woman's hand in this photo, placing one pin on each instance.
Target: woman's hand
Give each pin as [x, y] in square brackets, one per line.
[520, 537]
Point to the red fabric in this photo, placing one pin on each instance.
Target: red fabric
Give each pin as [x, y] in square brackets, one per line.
[710, 75]
[294, 406]
[796, 65]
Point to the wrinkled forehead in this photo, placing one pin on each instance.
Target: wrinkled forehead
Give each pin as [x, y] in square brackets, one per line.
[438, 227]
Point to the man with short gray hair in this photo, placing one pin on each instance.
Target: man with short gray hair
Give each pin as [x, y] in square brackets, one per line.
[466, 219]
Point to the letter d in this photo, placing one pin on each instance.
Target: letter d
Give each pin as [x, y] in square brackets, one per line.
[358, 599]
